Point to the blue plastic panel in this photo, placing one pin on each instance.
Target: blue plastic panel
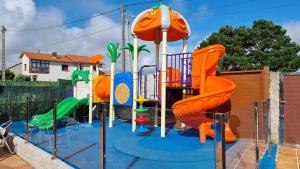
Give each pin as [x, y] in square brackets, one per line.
[123, 89]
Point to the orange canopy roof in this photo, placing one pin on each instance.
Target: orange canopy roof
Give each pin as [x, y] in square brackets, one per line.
[64, 58]
[148, 25]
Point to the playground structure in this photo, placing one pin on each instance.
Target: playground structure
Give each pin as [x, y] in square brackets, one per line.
[89, 88]
[186, 72]
[183, 71]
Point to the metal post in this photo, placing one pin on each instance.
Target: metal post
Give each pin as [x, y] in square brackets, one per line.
[221, 145]
[281, 118]
[123, 37]
[102, 114]
[10, 108]
[3, 53]
[27, 119]
[54, 128]
[256, 133]
[269, 126]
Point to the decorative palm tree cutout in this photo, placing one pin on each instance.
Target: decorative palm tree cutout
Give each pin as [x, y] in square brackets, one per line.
[113, 52]
[130, 47]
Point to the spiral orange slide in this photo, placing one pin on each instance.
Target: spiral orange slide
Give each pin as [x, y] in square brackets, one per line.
[214, 91]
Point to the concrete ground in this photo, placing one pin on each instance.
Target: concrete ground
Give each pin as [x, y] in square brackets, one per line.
[288, 158]
[242, 155]
[11, 161]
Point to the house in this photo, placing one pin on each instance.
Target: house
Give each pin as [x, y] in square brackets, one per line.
[51, 67]
[16, 69]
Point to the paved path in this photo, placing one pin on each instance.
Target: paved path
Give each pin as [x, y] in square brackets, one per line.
[9, 161]
[288, 158]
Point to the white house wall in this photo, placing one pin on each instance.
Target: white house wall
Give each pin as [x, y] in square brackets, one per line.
[82, 90]
[55, 70]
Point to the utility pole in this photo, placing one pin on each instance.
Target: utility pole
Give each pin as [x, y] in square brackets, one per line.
[3, 52]
[123, 37]
[128, 41]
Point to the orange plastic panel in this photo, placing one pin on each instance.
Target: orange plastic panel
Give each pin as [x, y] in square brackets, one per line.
[149, 24]
[204, 63]
[102, 88]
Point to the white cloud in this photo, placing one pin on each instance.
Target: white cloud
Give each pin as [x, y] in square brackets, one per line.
[203, 12]
[23, 14]
[178, 5]
[293, 30]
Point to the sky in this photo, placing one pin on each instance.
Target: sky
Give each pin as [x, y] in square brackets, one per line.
[91, 36]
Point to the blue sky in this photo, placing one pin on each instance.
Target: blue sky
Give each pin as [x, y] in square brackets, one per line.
[204, 17]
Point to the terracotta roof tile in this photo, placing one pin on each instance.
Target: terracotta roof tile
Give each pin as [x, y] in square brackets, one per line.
[70, 58]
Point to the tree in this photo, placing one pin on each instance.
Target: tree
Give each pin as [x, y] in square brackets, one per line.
[263, 44]
[8, 75]
[130, 47]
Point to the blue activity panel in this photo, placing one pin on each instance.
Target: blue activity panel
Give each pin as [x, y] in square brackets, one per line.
[123, 89]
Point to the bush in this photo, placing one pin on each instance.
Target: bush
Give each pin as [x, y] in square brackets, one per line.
[23, 78]
[8, 75]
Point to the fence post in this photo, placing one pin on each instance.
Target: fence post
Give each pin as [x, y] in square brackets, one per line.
[221, 145]
[54, 129]
[256, 134]
[269, 126]
[27, 119]
[102, 114]
[10, 108]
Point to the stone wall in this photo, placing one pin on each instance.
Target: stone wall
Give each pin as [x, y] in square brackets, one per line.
[274, 105]
[37, 157]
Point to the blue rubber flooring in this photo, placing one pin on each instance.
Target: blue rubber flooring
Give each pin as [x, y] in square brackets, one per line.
[268, 160]
[79, 146]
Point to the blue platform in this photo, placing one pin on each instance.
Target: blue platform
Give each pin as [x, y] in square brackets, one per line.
[79, 146]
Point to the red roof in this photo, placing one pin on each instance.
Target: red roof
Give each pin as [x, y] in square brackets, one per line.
[63, 58]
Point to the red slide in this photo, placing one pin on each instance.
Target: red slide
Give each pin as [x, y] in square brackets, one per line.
[214, 91]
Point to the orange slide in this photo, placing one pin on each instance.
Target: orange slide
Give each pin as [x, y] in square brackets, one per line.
[214, 91]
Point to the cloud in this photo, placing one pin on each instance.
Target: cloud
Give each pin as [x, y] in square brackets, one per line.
[23, 14]
[178, 5]
[203, 12]
[293, 30]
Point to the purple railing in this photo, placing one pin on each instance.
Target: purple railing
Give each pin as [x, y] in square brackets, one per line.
[182, 62]
[140, 76]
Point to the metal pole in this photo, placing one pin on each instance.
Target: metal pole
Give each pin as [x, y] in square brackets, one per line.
[269, 127]
[54, 128]
[27, 119]
[123, 37]
[128, 41]
[222, 121]
[3, 53]
[10, 108]
[102, 114]
[221, 146]
[256, 133]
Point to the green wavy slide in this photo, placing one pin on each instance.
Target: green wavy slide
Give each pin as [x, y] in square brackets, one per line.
[65, 107]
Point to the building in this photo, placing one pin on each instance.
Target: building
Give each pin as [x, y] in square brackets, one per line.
[51, 67]
[16, 69]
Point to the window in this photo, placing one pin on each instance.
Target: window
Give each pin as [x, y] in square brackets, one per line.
[25, 67]
[64, 67]
[94, 68]
[39, 66]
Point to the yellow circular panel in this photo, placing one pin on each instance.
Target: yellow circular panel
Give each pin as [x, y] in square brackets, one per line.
[122, 93]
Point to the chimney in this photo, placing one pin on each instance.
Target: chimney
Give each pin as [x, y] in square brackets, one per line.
[54, 54]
